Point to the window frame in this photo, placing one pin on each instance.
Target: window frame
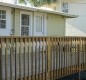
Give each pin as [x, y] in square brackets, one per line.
[44, 16]
[65, 7]
[9, 23]
[30, 21]
[40, 23]
[3, 19]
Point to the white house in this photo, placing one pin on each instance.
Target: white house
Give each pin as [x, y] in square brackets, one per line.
[75, 26]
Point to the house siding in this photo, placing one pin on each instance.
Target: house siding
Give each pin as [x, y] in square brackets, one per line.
[55, 25]
[17, 23]
[76, 26]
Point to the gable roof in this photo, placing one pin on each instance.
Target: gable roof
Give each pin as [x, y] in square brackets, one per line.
[31, 8]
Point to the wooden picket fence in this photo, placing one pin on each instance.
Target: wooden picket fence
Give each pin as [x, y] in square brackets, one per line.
[41, 58]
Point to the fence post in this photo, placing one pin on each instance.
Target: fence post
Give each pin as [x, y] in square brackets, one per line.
[0, 60]
[80, 63]
[48, 58]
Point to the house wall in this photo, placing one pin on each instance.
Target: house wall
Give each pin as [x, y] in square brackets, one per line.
[76, 26]
[17, 22]
[56, 25]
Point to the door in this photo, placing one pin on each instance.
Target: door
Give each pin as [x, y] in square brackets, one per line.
[25, 24]
[39, 25]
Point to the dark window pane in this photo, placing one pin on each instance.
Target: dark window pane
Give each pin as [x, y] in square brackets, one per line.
[0, 11]
[25, 19]
[65, 10]
[65, 7]
[24, 30]
[3, 16]
[3, 26]
[0, 16]
[3, 12]
[2, 23]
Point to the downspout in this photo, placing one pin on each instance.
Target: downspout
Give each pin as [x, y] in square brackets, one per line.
[13, 28]
[12, 21]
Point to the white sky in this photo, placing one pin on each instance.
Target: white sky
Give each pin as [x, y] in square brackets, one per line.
[7, 1]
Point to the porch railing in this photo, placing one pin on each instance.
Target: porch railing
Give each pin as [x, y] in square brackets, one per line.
[41, 58]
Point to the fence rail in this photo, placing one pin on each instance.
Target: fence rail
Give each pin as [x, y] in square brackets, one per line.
[41, 58]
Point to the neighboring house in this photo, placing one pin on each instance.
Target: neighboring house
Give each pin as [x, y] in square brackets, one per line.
[22, 20]
[75, 26]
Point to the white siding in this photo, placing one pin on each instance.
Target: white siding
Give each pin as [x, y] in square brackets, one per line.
[77, 26]
[55, 25]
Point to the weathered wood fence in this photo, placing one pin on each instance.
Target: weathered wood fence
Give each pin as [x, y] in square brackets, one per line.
[41, 58]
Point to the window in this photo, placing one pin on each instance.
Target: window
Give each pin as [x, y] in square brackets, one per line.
[25, 24]
[39, 23]
[2, 19]
[65, 7]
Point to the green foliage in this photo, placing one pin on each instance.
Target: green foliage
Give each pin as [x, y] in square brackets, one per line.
[39, 2]
[21, 1]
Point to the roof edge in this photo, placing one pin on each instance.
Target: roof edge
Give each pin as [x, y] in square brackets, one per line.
[37, 9]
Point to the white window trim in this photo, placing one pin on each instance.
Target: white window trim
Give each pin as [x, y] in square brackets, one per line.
[6, 31]
[3, 19]
[45, 23]
[65, 8]
[30, 28]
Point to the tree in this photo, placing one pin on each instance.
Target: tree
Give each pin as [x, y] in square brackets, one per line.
[39, 2]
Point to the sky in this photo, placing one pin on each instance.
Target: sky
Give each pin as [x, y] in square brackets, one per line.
[7, 1]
